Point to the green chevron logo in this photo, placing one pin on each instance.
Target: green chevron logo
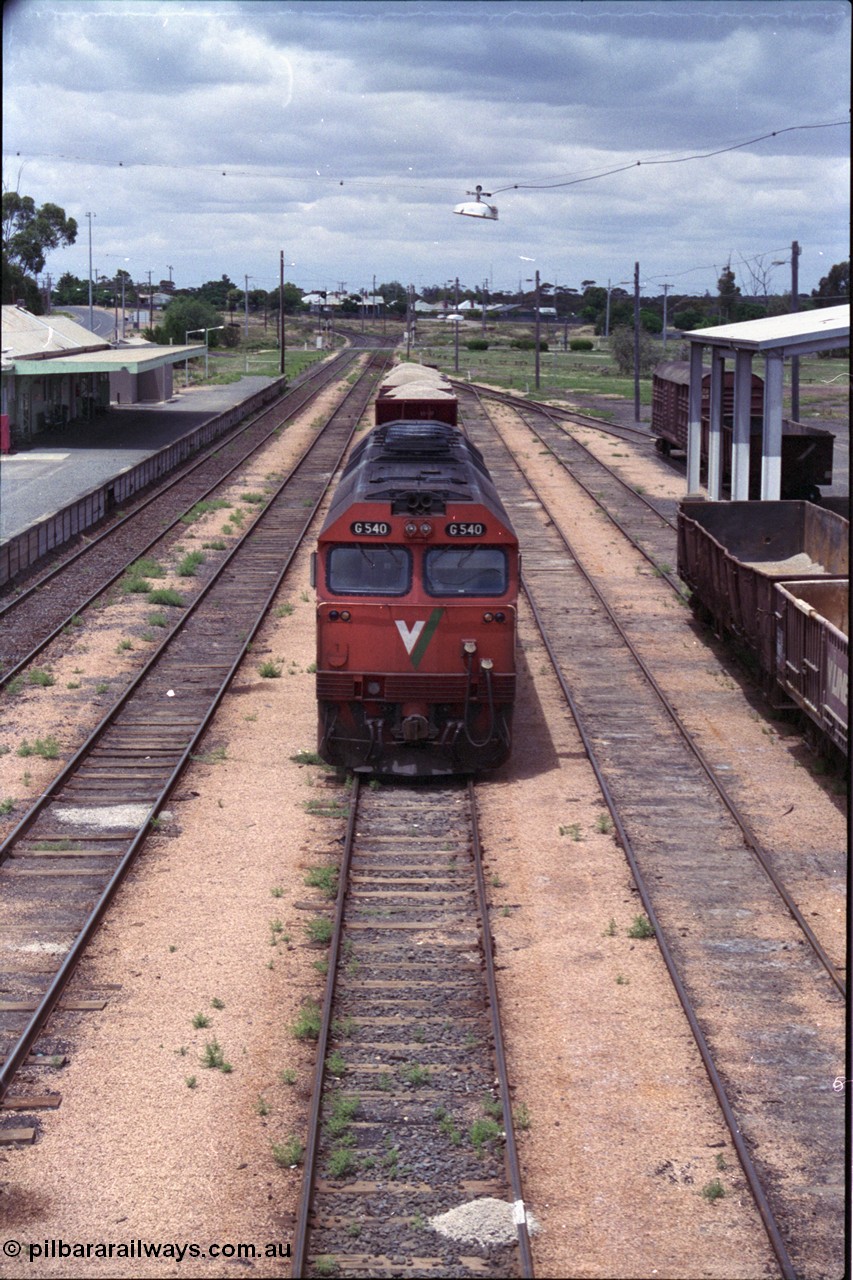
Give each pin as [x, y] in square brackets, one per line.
[417, 637]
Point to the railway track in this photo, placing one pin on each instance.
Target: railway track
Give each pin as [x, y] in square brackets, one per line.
[411, 1167]
[745, 962]
[63, 862]
[649, 524]
[53, 601]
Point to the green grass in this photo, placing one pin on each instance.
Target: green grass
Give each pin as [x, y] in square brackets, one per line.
[289, 1153]
[325, 878]
[320, 929]
[641, 928]
[307, 1024]
[166, 596]
[40, 677]
[270, 670]
[47, 748]
[190, 564]
[484, 1131]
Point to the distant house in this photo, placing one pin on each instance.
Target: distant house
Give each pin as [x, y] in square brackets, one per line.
[56, 372]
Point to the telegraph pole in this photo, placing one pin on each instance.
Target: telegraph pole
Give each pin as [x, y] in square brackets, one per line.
[637, 342]
[90, 216]
[537, 330]
[281, 313]
[666, 289]
[795, 306]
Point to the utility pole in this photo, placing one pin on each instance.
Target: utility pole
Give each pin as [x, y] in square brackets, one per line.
[537, 330]
[666, 289]
[281, 313]
[246, 306]
[150, 303]
[637, 342]
[795, 306]
[456, 328]
[90, 216]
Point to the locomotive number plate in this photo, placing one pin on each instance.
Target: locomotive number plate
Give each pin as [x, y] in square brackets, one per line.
[463, 529]
[370, 528]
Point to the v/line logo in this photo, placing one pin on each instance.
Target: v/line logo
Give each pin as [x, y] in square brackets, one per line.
[416, 637]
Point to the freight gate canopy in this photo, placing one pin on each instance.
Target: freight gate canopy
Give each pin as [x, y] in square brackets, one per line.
[775, 338]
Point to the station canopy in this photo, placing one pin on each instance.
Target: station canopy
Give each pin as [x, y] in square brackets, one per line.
[775, 339]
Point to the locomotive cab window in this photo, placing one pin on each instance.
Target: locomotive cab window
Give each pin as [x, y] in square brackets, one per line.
[359, 569]
[466, 571]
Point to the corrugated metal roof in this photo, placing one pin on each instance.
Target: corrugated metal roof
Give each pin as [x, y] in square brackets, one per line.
[25, 335]
[796, 334]
[135, 359]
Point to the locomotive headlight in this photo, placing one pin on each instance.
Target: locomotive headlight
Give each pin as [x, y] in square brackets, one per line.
[373, 687]
[333, 615]
[426, 530]
[410, 529]
[486, 664]
[345, 615]
[469, 646]
[500, 617]
[488, 617]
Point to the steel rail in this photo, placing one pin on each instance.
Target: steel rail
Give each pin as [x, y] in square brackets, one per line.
[300, 1239]
[583, 419]
[48, 1001]
[756, 1187]
[306, 1201]
[750, 837]
[519, 1210]
[668, 575]
[92, 544]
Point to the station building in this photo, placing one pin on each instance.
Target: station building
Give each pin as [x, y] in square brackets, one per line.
[56, 372]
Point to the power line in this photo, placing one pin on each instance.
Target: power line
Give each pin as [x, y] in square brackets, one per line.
[227, 171]
[636, 164]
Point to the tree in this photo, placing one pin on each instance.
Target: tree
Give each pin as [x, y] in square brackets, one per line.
[622, 349]
[690, 318]
[184, 315]
[29, 233]
[396, 297]
[835, 285]
[729, 293]
[215, 292]
[70, 290]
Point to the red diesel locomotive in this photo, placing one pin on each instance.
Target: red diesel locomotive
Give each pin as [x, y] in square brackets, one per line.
[417, 575]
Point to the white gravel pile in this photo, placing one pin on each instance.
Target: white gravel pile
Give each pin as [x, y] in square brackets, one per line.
[486, 1221]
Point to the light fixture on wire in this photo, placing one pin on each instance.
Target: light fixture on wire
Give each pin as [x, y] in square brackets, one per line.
[478, 208]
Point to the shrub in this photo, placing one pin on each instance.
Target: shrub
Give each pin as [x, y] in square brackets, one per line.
[477, 344]
[581, 344]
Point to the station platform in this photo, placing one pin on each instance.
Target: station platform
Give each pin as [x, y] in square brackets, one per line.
[65, 463]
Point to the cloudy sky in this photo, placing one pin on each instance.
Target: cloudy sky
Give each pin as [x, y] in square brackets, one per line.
[206, 137]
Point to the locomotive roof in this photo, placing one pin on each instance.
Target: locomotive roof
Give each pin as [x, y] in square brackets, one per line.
[414, 459]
